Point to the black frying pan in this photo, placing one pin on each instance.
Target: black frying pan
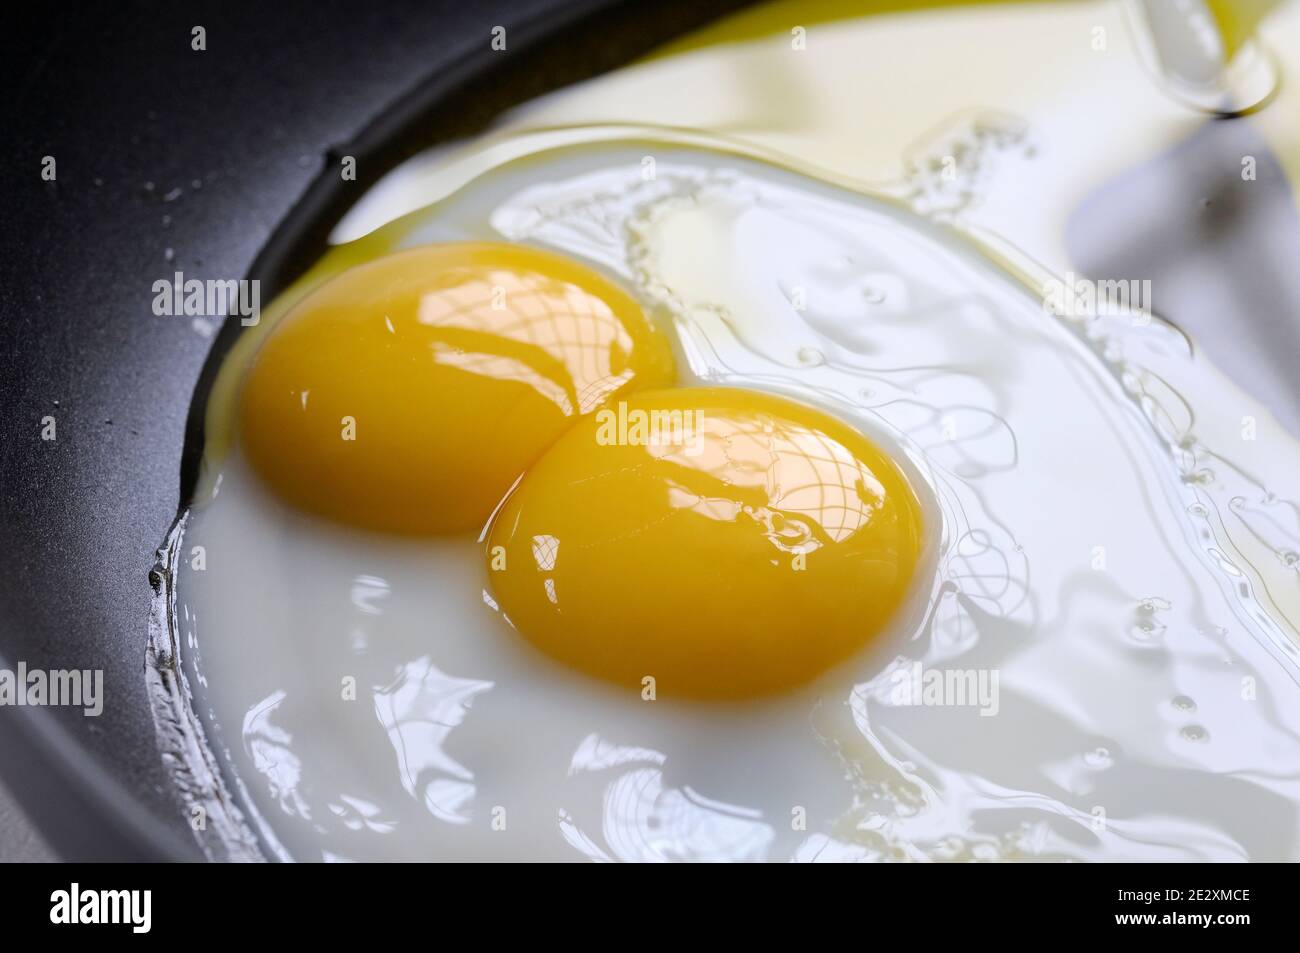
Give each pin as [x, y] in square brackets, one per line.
[131, 113]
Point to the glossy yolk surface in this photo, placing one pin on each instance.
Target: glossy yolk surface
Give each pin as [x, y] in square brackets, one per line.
[737, 544]
[407, 394]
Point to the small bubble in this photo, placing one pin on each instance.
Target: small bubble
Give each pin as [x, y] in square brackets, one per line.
[1147, 627]
[1099, 758]
[148, 186]
[1198, 509]
[173, 195]
[1194, 733]
[810, 356]
[1184, 703]
[1290, 558]
[1154, 604]
[168, 254]
[873, 295]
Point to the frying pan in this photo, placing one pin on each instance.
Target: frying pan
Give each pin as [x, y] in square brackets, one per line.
[223, 164]
[220, 163]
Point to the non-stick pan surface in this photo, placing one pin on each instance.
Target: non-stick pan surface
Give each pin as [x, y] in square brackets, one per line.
[219, 163]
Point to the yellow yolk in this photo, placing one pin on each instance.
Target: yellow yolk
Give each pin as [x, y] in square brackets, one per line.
[408, 394]
[723, 542]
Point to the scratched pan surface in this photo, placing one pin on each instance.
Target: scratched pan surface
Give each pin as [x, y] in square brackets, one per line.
[221, 164]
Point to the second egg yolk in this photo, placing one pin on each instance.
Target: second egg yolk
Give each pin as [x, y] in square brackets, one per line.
[407, 394]
[721, 542]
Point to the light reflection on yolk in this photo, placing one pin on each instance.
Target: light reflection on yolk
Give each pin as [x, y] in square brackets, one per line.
[407, 394]
[755, 544]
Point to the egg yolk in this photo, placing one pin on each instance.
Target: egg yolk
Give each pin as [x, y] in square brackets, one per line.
[407, 394]
[721, 542]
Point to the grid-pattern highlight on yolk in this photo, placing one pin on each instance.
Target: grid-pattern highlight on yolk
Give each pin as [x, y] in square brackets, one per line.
[742, 545]
[557, 318]
[407, 394]
[805, 478]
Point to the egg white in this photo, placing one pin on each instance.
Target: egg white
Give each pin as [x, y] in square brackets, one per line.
[372, 703]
